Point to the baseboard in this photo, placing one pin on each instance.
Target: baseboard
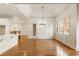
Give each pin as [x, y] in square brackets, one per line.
[63, 43]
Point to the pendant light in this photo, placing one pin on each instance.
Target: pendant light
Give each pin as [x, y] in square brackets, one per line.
[42, 17]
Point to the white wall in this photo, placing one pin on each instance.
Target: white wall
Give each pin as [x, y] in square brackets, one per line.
[70, 39]
[77, 30]
[45, 32]
[18, 24]
[14, 23]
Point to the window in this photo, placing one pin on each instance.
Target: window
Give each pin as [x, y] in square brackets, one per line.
[2, 29]
[60, 26]
[66, 25]
[63, 25]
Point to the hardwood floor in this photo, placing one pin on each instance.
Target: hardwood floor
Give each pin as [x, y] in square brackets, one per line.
[39, 47]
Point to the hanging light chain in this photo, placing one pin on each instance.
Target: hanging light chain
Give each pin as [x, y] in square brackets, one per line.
[42, 12]
[42, 16]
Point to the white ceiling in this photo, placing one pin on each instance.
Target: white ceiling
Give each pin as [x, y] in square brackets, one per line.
[50, 10]
[6, 10]
[31, 10]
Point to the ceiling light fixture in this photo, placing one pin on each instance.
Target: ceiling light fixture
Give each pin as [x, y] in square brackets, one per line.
[43, 22]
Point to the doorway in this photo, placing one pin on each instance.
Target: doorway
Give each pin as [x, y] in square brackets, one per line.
[34, 29]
